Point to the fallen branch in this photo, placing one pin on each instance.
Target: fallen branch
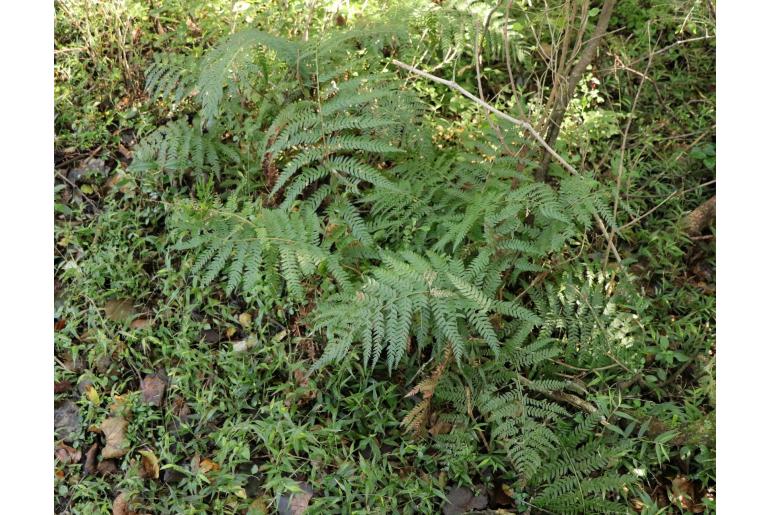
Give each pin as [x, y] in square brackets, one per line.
[519, 123]
[700, 217]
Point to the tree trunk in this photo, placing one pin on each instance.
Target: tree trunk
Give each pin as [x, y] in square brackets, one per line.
[566, 90]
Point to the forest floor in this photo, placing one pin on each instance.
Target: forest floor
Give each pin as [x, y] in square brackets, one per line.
[163, 403]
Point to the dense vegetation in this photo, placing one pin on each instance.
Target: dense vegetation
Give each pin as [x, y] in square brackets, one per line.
[401, 257]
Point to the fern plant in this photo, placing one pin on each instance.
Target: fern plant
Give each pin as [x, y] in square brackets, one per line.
[324, 182]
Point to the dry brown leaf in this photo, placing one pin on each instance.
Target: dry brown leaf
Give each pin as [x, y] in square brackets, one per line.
[153, 388]
[683, 493]
[119, 310]
[141, 323]
[120, 505]
[295, 503]
[441, 427]
[119, 407]
[67, 455]
[114, 430]
[61, 386]
[208, 465]
[150, 465]
[90, 467]
[107, 468]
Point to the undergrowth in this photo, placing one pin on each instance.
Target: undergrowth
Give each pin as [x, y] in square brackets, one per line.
[352, 284]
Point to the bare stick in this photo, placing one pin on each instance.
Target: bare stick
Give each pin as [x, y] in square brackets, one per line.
[567, 89]
[623, 144]
[519, 123]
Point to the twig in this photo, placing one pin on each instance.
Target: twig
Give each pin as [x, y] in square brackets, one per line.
[519, 123]
[566, 89]
[639, 218]
[623, 144]
[65, 179]
[669, 47]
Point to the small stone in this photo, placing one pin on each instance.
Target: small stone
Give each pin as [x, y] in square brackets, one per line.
[66, 421]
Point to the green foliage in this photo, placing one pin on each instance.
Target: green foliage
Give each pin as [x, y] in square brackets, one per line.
[403, 269]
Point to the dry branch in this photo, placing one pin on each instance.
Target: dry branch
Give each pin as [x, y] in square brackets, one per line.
[519, 123]
[701, 217]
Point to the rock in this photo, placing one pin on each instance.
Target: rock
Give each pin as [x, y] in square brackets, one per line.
[66, 421]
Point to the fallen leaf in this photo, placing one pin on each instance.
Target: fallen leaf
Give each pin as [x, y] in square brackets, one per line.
[153, 388]
[120, 408]
[211, 336]
[120, 505]
[59, 324]
[441, 427]
[58, 473]
[107, 468]
[141, 323]
[180, 409]
[683, 493]
[67, 455]
[230, 331]
[66, 421]
[92, 395]
[245, 320]
[150, 466]
[90, 466]
[296, 503]
[61, 386]
[103, 363]
[208, 465]
[119, 310]
[245, 344]
[114, 430]
[461, 500]
[172, 476]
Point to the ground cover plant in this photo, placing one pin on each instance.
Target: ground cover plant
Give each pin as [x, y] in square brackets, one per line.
[418, 257]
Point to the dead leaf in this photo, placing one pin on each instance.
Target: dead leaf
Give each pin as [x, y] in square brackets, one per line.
[67, 455]
[120, 408]
[90, 467]
[66, 421]
[180, 409]
[208, 465]
[119, 310]
[153, 388]
[296, 503]
[92, 395]
[245, 320]
[245, 344]
[441, 427]
[683, 493]
[150, 466]
[461, 500]
[61, 386]
[120, 505]
[114, 430]
[107, 468]
[141, 323]
[211, 336]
